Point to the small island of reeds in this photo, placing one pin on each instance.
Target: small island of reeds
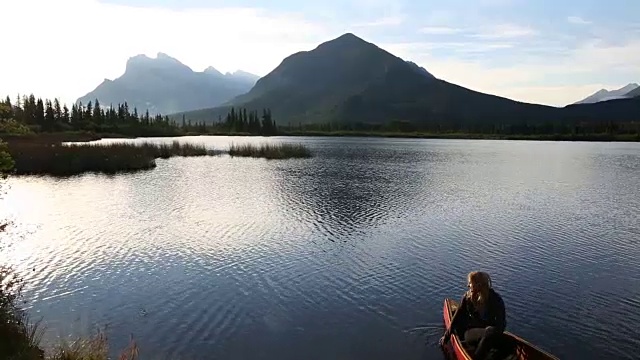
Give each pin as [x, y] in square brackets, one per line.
[270, 151]
[59, 159]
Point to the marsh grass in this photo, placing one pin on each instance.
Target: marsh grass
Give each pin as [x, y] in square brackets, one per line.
[19, 337]
[270, 151]
[93, 348]
[71, 159]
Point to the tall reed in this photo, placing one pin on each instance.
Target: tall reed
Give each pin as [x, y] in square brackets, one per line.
[270, 151]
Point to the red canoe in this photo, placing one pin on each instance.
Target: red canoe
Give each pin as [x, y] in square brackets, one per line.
[518, 348]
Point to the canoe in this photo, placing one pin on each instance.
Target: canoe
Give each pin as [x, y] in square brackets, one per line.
[510, 346]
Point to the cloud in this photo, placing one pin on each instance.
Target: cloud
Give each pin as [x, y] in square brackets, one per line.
[545, 78]
[488, 32]
[503, 31]
[578, 20]
[439, 30]
[498, 3]
[371, 13]
[451, 47]
[384, 21]
[599, 55]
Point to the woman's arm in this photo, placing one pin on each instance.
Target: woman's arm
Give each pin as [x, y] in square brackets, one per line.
[501, 318]
[457, 317]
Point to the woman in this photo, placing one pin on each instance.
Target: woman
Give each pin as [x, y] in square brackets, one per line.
[480, 316]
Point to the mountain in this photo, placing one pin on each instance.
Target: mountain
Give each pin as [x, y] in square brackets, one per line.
[634, 93]
[307, 83]
[606, 95]
[349, 80]
[165, 85]
[420, 68]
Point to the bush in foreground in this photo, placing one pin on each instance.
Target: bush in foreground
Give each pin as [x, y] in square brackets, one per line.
[270, 151]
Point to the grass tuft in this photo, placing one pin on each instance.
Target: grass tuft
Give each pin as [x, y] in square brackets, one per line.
[270, 151]
[94, 348]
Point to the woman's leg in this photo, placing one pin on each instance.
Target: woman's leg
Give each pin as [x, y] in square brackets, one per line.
[474, 335]
[488, 337]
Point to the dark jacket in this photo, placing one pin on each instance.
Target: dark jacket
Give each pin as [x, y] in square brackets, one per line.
[467, 316]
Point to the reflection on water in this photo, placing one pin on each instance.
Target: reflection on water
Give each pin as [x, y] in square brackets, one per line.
[338, 255]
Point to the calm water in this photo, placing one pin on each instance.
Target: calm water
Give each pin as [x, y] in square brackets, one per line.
[338, 256]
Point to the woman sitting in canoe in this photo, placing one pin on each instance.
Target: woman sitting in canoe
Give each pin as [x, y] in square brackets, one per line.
[480, 317]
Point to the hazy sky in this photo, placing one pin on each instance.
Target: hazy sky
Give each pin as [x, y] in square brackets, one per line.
[550, 52]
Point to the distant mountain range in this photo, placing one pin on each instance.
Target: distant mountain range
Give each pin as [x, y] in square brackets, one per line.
[165, 85]
[628, 91]
[634, 93]
[350, 80]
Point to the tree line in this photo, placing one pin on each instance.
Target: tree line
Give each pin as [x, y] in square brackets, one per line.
[44, 115]
[577, 128]
[38, 115]
[51, 116]
[239, 120]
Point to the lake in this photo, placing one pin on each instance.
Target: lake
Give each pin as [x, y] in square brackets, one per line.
[340, 256]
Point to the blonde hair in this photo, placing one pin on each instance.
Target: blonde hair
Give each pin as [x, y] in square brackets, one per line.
[483, 281]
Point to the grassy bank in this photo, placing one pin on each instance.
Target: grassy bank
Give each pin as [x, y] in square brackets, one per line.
[52, 138]
[39, 157]
[270, 151]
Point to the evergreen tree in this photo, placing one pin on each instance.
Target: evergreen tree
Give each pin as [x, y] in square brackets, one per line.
[57, 110]
[88, 114]
[49, 121]
[245, 120]
[80, 115]
[30, 109]
[265, 124]
[127, 116]
[39, 115]
[121, 114]
[74, 114]
[65, 114]
[97, 115]
[17, 111]
[272, 123]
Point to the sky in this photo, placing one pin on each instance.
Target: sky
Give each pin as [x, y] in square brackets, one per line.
[540, 51]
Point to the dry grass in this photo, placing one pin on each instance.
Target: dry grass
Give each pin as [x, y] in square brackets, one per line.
[66, 160]
[270, 151]
[95, 348]
[19, 338]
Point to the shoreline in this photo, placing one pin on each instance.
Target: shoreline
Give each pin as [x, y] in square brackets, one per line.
[418, 135]
[473, 136]
[59, 137]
